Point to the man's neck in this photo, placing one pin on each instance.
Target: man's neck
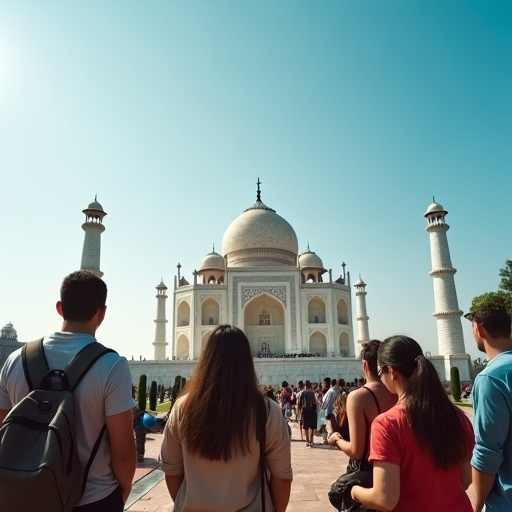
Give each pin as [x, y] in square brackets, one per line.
[497, 346]
[79, 327]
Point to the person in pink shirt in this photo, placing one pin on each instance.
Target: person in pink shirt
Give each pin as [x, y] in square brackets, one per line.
[421, 448]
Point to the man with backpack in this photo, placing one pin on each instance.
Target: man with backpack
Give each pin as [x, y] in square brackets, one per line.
[102, 401]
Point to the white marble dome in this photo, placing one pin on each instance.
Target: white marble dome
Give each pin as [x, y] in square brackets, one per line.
[213, 260]
[260, 237]
[310, 259]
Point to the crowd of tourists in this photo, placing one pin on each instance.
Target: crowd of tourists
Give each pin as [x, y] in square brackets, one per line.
[226, 444]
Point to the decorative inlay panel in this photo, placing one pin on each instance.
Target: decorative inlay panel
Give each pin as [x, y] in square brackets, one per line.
[248, 292]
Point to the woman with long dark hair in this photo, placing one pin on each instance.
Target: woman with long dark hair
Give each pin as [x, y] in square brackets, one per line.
[421, 448]
[211, 452]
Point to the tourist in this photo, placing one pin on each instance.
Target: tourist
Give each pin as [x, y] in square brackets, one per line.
[286, 399]
[103, 399]
[337, 421]
[421, 448]
[308, 406]
[363, 406]
[492, 402]
[298, 412]
[210, 452]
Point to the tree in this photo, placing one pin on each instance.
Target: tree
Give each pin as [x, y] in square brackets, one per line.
[506, 277]
[493, 300]
[142, 393]
[455, 383]
[152, 396]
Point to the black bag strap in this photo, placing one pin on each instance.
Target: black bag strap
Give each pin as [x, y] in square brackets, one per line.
[374, 398]
[83, 362]
[35, 365]
[261, 436]
[94, 451]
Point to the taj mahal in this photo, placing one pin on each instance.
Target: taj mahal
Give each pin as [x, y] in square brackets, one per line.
[295, 313]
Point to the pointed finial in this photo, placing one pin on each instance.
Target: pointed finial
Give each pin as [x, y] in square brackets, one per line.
[433, 199]
[258, 193]
[308, 247]
[179, 267]
[96, 197]
[213, 249]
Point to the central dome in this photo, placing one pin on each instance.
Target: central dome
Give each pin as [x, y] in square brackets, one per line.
[260, 237]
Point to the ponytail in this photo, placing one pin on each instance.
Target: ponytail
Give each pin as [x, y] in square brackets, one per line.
[435, 421]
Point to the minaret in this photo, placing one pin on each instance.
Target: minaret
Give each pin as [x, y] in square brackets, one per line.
[160, 322]
[93, 227]
[447, 313]
[363, 332]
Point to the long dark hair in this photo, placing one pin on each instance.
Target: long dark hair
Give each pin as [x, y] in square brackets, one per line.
[435, 421]
[222, 397]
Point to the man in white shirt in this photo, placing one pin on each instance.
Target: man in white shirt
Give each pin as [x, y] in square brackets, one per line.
[103, 397]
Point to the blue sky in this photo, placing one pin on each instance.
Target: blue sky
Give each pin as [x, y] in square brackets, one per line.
[352, 114]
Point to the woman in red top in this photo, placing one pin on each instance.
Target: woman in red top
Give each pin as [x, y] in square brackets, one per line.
[421, 448]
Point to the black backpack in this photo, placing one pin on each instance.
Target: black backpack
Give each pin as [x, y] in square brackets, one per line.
[39, 467]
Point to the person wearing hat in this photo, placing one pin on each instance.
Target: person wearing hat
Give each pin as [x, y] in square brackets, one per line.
[492, 402]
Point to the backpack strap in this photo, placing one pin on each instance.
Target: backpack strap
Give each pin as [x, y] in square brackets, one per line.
[35, 365]
[83, 362]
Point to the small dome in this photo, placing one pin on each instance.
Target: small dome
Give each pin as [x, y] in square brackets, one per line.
[359, 282]
[435, 208]
[9, 332]
[309, 259]
[161, 285]
[96, 207]
[213, 260]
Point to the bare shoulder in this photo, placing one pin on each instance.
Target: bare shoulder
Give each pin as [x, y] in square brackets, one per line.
[357, 397]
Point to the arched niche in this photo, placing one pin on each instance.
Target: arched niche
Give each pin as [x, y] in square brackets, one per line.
[342, 309]
[318, 344]
[210, 312]
[183, 314]
[264, 317]
[204, 340]
[182, 347]
[316, 311]
[344, 344]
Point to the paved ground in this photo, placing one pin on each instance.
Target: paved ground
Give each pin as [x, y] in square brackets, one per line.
[314, 470]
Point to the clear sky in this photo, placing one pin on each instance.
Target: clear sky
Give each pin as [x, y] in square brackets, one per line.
[352, 113]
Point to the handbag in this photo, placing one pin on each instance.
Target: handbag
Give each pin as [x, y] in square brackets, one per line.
[359, 472]
[339, 495]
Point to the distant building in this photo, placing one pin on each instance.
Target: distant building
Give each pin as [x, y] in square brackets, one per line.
[8, 342]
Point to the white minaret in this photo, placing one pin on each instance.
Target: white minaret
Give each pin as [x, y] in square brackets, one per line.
[93, 227]
[447, 313]
[363, 333]
[160, 322]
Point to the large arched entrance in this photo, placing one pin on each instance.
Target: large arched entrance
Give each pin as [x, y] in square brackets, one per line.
[264, 326]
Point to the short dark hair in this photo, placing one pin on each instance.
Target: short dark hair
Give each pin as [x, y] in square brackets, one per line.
[369, 354]
[495, 321]
[82, 294]
[327, 380]
[333, 382]
[284, 384]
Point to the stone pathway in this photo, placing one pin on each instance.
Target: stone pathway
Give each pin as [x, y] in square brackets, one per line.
[314, 470]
